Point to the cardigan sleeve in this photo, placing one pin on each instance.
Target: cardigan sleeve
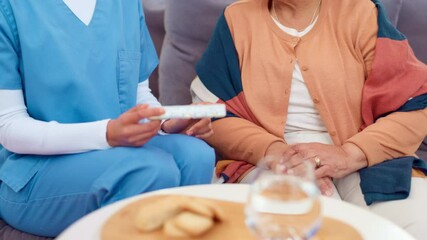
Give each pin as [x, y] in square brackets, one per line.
[240, 139]
[396, 135]
[367, 39]
[399, 133]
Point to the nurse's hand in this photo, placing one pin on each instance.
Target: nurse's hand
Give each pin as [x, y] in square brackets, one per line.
[127, 131]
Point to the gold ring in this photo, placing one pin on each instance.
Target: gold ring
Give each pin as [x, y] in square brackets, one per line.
[317, 161]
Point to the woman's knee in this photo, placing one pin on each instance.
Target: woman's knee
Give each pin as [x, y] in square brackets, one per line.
[408, 213]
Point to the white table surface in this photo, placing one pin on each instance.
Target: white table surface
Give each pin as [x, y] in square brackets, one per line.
[369, 225]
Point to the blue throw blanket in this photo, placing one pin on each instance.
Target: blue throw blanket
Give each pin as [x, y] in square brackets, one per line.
[390, 180]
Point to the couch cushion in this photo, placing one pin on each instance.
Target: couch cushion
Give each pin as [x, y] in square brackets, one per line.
[393, 9]
[154, 17]
[422, 151]
[188, 29]
[413, 23]
[9, 233]
[410, 18]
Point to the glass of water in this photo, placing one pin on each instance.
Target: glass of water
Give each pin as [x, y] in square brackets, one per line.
[284, 203]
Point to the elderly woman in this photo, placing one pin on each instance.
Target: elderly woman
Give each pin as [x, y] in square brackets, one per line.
[326, 80]
[74, 104]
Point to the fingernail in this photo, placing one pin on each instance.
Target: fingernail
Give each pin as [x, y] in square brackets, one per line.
[329, 193]
[281, 168]
[189, 133]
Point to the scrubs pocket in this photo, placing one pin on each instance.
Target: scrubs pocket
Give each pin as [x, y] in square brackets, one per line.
[18, 170]
[129, 68]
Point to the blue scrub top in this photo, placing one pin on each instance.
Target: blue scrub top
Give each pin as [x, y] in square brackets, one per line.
[70, 72]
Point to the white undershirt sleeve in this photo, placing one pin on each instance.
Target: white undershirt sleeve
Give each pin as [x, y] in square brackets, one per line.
[144, 95]
[23, 134]
[20, 133]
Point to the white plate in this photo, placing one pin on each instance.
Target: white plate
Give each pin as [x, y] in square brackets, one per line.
[369, 225]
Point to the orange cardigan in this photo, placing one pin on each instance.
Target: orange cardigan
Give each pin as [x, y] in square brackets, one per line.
[335, 58]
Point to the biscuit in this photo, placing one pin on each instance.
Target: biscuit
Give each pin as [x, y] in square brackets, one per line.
[218, 213]
[152, 216]
[192, 223]
[198, 207]
[171, 230]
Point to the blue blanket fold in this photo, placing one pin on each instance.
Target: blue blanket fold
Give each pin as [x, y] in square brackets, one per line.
[390, 180]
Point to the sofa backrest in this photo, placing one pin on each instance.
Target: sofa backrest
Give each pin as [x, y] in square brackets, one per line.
[411, 19]
[154, 16]
[189, 25]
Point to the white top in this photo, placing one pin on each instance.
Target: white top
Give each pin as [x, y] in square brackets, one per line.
[83, 9]
[303, 121]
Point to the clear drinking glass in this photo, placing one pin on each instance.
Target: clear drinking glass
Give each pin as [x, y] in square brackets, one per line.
[284, 204]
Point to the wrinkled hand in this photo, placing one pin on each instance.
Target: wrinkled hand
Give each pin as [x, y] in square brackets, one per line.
[335, 161]
[127, 131]
[281, 157]
[326, 186]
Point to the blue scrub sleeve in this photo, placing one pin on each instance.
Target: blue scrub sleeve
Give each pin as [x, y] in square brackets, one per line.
[9, 58]
[149, 59]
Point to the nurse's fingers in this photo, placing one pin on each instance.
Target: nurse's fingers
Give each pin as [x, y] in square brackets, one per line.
[132, 115]
[138, 129]
[151, 112]
[136, 134]
[141, 139]
[137, 107]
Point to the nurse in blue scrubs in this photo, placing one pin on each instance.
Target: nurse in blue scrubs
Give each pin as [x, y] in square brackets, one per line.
[74, 103]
